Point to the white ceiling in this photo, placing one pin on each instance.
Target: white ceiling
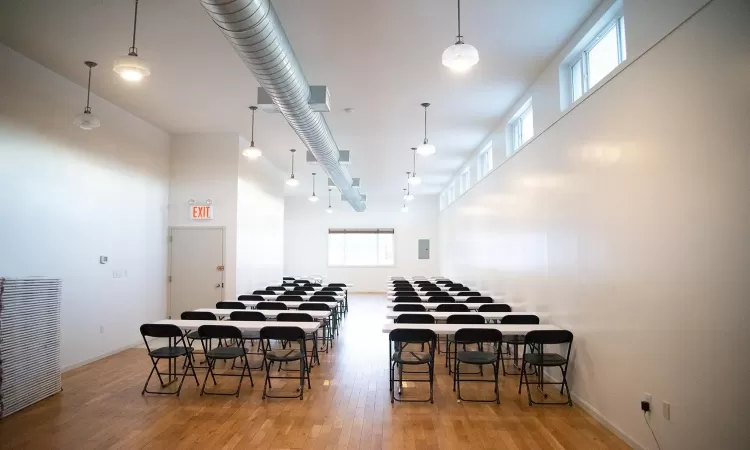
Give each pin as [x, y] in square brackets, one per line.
[381, 58]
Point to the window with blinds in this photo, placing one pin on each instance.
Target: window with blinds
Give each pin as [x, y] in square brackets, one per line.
[361, 247]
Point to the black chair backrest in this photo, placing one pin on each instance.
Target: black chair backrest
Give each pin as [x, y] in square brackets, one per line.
[198, 315]
[466, 319]
[325, 291]
[479, 299]
[230, 305]
[470, 294]
[159, 330]
[438, 293]
[304, 289]
[219, 332]
[413, 307]
[452, 307]
[337, 285]
[495, 307]
[271, 306]
[294, 317]
[412, 336]
[478, 335]
[288, 278]
[520, 319]
[403, 288]
[406, 294]
[333, 288]
[545, 337]
[250, 298]
[458, 289]
[415, 318]
[289, 298]
[248, 316]
[290, 284]
[315, 285]
[444, 282]
[276, 288]
[414, 299]
[283, 333]
[263, 292]
[322, 298]
[312, 306]
[438, 299]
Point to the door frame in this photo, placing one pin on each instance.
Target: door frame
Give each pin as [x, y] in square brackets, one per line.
[169, 258]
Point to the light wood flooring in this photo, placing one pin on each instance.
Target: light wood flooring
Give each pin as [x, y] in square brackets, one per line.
[348, 407]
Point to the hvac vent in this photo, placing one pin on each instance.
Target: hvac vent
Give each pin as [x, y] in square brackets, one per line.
[356, 182]
[320, 100]
[344, 157]
[29, 341]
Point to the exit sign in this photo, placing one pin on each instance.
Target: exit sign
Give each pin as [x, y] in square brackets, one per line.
[201, 212]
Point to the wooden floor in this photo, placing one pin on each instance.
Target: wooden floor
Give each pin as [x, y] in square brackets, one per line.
[348, 407]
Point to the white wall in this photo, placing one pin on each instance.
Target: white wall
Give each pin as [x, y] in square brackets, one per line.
[70, 196]
[260, 225]
[205, 166]
[627, 222]
[306, 227]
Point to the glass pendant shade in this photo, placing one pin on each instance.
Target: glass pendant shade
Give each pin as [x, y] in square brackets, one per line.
[252, 152]
[426, 149]
[405, 209]
[329, 210]
[292, 182]
[313, 198]
[131, 68]
[409, 197]
[87, 121]
[460, 57]
[415, 180]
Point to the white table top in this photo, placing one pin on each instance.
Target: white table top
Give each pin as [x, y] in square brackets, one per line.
[271, 314]
[431, 306]
[458, 298]
[304, 297]
[307, 327]
[423, 292]
[294, 305]
[445, 328]
[445, 314]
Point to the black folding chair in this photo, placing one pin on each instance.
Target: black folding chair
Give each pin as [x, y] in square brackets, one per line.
[452, 307]
[226, 353]
[414, 318]
[459, 289]
[303, 317]
[289, 298]
[470, 294]
[439, 293]
[175, 348]
[514, 340]
[479, 336]
[247, 335]
[192, 335]
[406, 294]
[479, 299]
[494, 307]
[406, 299]
[304, 289]
[250, 298]
[328, 328]
[263, 292]
[399, 356]
[409, 307]
[462, 319]
[230, 305]
[285, 334]
[540, 359]
[276, 288]
[337, 314]
[271, 306]
[447, 299]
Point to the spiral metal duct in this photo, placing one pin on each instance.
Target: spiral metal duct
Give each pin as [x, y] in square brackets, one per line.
[254, 30]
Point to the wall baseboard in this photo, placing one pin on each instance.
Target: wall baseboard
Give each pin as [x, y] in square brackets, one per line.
[586, 406]
[102, 356]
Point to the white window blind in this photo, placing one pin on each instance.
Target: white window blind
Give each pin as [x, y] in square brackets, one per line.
[361, 247]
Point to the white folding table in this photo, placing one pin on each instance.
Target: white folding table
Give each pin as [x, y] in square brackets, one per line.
[458, 298]
[307, 327]
[443, 315]
[270, 314]
[451, 328]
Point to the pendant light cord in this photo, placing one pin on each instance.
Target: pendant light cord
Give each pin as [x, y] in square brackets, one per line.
[88, 93]
[425, 124]
[459, 37]
[414, 167]
[134, 50]
[252, 130]
[313, 184]
[292, 163]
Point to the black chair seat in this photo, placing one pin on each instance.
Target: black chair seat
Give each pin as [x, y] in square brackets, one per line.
[545, 359]
[284, 355]
[407, 357]
[225, 353]
[170, 352]
[251, 335]
[513, 339]
[476, 357]
[193, 335]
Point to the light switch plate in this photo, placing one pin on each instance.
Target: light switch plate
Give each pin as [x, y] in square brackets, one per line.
[103, 260]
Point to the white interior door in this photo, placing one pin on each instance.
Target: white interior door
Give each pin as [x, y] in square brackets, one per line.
[196, 269]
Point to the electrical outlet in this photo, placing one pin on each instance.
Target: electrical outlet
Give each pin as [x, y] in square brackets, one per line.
[665, 409]
[647, 397]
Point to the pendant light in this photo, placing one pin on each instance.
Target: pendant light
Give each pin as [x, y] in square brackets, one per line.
[408, 195]
[292, 181]
[86, 120]
[425, 149]
[414, 180]
[460, 57]
[313, 198]
[404, 209]
[329, 210]
[131, 67]
[252, 152]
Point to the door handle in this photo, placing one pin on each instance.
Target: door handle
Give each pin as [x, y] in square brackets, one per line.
[218, 285]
